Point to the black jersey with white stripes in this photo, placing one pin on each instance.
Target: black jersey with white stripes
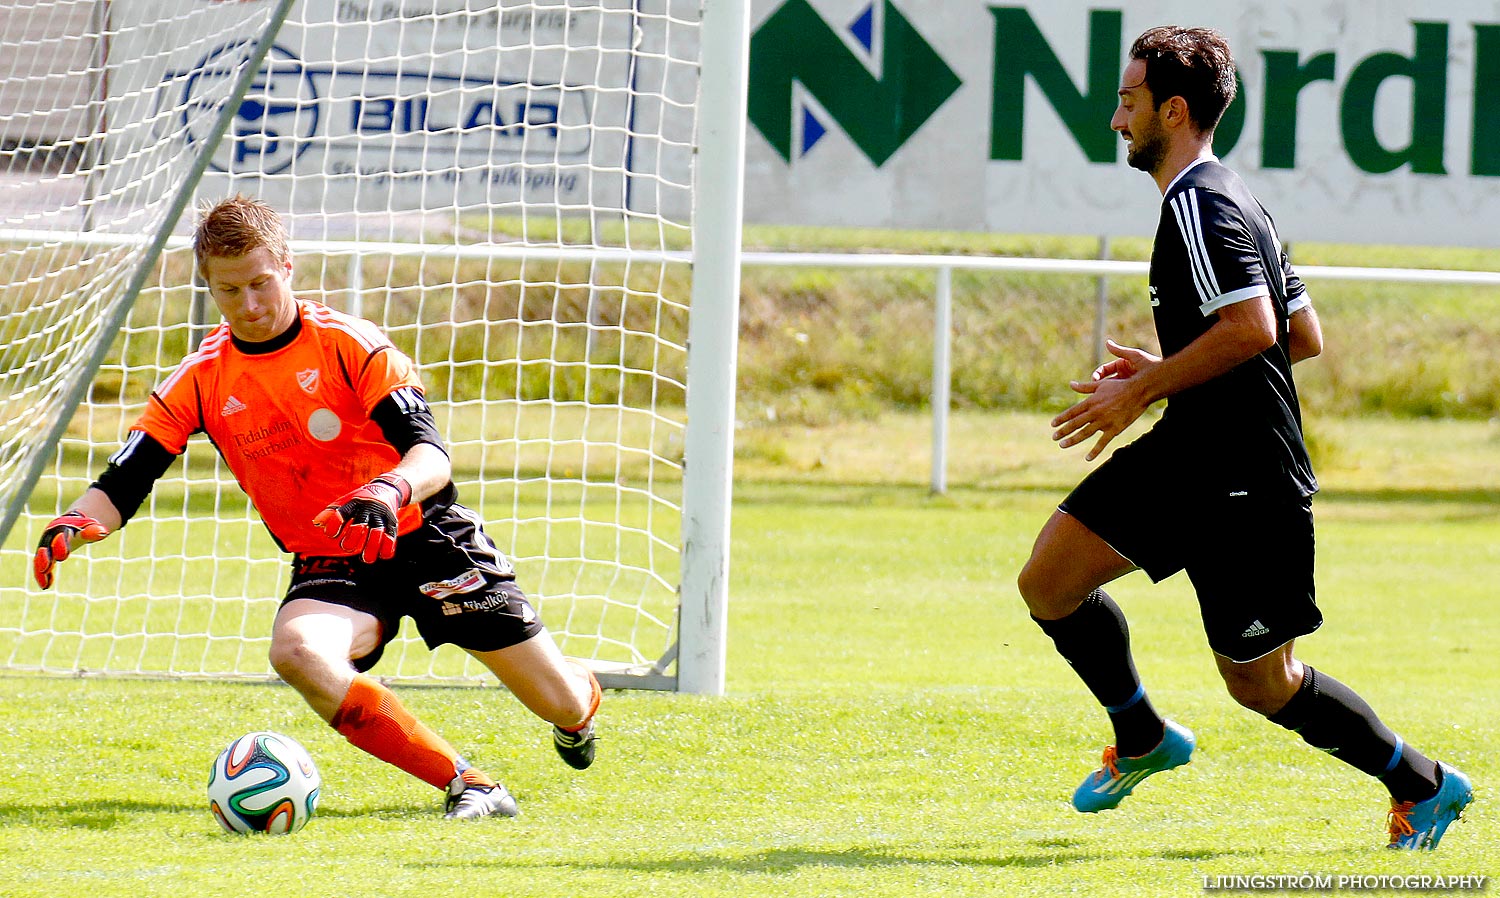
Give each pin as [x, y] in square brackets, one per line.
[1216, 246]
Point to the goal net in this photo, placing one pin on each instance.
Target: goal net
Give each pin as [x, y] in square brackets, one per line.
[506, 188]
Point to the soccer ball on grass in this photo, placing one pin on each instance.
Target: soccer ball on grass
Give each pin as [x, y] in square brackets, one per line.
[263, 782]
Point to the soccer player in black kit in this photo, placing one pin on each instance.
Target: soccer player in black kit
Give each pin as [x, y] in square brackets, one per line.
[1221, 486]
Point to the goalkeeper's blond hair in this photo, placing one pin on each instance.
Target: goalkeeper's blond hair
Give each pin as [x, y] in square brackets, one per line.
[238, 226]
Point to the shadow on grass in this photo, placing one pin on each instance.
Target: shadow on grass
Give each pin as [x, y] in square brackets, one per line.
[409, 811]
[1046, 853]
[98, 815]
[103, 815]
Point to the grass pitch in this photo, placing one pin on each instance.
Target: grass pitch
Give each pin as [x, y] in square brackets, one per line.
[894, 725]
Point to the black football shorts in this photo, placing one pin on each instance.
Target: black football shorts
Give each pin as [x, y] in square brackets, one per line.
[447, 576]
[1248, 552]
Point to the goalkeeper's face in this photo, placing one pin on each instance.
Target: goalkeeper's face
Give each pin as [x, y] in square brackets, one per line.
[253, 292]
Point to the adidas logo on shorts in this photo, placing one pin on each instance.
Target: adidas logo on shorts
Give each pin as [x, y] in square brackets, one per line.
[1256, 628]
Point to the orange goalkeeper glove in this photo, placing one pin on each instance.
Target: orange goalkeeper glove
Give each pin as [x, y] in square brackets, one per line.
[364, 520]
[57, 541]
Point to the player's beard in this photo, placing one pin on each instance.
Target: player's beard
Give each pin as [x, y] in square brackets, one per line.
[1147, 149]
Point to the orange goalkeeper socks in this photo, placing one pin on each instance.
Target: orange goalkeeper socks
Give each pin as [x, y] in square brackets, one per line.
[373, 719]
[594, 699]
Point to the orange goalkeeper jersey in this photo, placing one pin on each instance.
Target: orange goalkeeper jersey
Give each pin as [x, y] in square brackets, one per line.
[292, 424]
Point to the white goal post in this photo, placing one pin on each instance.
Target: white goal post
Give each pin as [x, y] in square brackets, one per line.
[538, 201]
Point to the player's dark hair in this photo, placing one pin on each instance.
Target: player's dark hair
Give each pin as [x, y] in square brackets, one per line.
[1192, 63]
[238, 226]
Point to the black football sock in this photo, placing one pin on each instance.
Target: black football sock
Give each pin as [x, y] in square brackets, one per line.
[1331, 717]
[1095, 641]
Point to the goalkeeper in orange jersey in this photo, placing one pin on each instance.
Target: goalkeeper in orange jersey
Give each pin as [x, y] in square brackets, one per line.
[323, 422]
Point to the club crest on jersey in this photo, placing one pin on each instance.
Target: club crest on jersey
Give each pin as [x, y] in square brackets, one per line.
[468, 581]
[308, 380]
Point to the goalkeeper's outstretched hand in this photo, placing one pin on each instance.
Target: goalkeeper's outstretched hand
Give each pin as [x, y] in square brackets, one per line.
[364, 520]
[57, 541]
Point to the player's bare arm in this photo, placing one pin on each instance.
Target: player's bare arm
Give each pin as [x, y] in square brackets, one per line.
[1306, 334]
[1119, 394]
[426, 468]
[96, 504]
